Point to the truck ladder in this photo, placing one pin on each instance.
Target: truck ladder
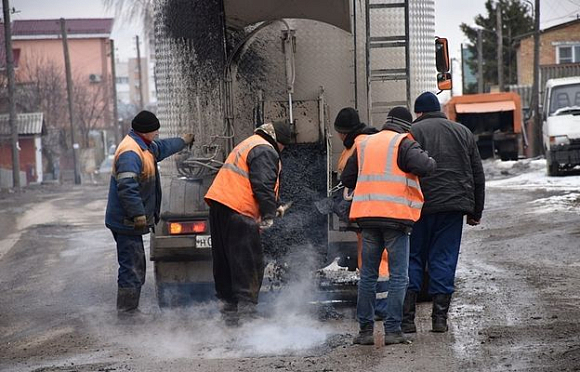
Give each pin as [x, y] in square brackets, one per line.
[387, 37]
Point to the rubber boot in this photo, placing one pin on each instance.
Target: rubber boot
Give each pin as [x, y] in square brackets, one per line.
[229, 311]
[365, 335]
[408, 323]
[392, 338]
[247, 311]
[127, 305]
[440, 308]
[128, 299]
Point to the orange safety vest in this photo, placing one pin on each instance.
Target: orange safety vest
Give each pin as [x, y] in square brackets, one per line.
[384, 266]
[147, 158]
[232, 186]
[346, 154]
[383, 190]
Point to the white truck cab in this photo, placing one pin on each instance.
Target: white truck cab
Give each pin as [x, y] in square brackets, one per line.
[561, 124]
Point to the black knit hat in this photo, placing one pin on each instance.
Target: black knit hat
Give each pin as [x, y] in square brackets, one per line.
[427, 102]
[399, 116]
[401, 113]
[283, 132]
[145, 122]
[347, 120]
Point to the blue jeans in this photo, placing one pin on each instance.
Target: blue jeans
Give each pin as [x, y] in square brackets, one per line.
[435, 245]
[131, 258]
[397, 245]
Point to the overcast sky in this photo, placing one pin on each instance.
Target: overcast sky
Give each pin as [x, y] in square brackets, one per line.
[449, 14]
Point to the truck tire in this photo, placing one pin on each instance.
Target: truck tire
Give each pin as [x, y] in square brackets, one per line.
[509, 155]
[553, 169]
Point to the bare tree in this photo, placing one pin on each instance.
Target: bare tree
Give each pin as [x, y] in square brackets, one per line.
[129, 10]
[42, 88]
[90, 105]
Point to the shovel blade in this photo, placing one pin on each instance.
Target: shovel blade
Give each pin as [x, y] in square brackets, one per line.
[324, 206]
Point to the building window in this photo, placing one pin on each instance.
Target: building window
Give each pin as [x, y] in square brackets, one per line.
[122, 80]
[569, 54]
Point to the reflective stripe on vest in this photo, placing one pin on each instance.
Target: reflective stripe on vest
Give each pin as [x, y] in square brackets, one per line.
[232, 186]
[383, 190]
[346, 154]
[147, 160]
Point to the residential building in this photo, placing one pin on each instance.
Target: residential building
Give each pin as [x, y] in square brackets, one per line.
[559, 51]
[41, 85]
[30, 128]
[138, 84]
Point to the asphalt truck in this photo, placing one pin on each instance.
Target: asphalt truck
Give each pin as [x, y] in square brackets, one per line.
[223, 67]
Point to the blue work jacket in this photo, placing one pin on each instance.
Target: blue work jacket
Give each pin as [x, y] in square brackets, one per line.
[135, 187]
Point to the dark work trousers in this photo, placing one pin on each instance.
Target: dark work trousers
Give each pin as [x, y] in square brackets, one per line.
[238, 259]
[131, 257]
[435, 241]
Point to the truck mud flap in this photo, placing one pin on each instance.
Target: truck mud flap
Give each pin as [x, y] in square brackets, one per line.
[183, 283]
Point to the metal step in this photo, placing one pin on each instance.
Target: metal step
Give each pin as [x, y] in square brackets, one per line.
[382, 73]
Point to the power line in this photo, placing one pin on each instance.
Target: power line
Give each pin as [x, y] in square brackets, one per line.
[564, 16]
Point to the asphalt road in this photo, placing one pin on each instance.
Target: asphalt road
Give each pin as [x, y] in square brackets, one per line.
[516, 307]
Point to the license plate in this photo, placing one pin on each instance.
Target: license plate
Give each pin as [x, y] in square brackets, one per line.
[203, 241]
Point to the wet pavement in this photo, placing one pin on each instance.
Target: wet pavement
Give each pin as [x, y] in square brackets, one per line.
[516, 307]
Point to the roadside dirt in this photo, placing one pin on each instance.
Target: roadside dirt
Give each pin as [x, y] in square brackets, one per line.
[516, 307]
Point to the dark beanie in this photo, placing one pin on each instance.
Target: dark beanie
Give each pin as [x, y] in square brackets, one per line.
[145, 122]
[401, 113]
[283, 132]
[347, 120]
[427, 102]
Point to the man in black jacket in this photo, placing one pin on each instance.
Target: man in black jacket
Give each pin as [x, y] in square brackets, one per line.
[243, 200]
[455, 189]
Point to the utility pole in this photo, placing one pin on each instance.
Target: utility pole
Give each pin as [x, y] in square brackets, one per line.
[69, 91]
[499, 48]
[140, 75]
[479, 61]
[536, 84]
[115, 109]
[462, 71]
[451, 72]
[11, 96]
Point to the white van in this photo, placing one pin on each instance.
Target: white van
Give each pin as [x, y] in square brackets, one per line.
[561, 124]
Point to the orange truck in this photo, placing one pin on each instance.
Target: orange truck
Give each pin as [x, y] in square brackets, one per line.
[495, 119]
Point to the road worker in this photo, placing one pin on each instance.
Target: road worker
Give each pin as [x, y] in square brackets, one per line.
[455, 189]
[243, 200]
[134, 201]
[349, 127]
[384, 172]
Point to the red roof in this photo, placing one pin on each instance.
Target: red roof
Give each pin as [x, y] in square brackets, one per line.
[76, 26]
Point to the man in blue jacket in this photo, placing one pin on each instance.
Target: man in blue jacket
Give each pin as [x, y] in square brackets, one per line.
[135, 200]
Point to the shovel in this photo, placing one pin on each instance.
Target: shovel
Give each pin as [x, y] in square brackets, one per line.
[324, 206]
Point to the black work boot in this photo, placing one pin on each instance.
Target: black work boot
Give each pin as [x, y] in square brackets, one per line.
[408, 323]
[229, 311]
[247, 311]
[365, 335]
[440, 308]
[392, 338]
[128, 302]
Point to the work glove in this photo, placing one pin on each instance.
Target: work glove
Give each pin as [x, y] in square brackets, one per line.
[140, 222]
[265, 224]
[280, 211]
[472, 221]
[188, 138]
